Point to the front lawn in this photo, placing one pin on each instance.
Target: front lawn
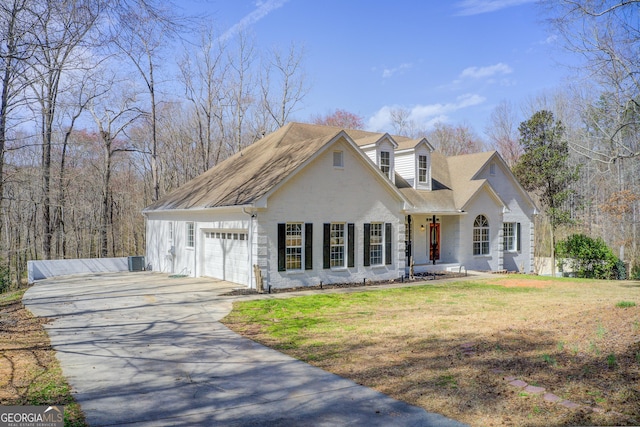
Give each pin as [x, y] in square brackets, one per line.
[453, 347]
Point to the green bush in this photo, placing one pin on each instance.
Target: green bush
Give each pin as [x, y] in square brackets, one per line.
[5, 277]
[635, 272]
[590, 258]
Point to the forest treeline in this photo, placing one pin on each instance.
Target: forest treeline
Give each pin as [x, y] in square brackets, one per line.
[108, 104]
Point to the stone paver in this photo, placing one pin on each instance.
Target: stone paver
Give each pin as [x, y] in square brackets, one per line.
[518, 383]
[569, 404]
[534, 389]
[550, 397]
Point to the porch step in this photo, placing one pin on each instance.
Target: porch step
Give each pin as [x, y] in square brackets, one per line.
[450, 267]
[457, 269]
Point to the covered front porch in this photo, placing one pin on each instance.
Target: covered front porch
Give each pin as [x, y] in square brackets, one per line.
[432, 242]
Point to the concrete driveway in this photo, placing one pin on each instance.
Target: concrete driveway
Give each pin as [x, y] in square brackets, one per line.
[147, 350]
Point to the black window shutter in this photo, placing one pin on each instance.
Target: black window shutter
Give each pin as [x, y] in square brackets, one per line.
[282, 247]
[326, 246]
[518, 236]
[387, 243]
[351, 246]
[308, 246]
[367, 243]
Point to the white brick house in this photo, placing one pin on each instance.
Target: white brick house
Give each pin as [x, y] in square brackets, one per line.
[311, 204]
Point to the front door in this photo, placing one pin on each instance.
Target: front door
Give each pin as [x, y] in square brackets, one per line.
[434, 241]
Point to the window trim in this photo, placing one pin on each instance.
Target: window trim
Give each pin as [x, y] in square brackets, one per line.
[290, 257]
[334, 228]
[306, 254]
[387, 244]
[387, 166]
[421, 169]
[340, 164]
[190, 235]
[481, 236]
[515, 237]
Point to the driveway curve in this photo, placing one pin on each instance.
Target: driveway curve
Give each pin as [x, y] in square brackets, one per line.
[143, 349]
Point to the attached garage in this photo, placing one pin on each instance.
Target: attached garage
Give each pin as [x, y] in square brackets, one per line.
[226, 256]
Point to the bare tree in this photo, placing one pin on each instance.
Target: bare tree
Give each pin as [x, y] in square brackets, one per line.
[606, 34]
[454, 140]
[111, 123]
[503, 134]
[142, 28]
[283, 84]
[203, 74]
[340, 118]
[61, 26]
[242, 80]
[14, 52]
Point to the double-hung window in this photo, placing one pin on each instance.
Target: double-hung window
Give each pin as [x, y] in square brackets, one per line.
[337, 248]
[190, 235]
[422, 169]
[294, 246]
[376, 243]
[338, 245]
[511, 236]
[385, 163]
[481, 235]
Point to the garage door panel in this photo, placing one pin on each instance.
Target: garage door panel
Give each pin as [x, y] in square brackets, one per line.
[226, 256]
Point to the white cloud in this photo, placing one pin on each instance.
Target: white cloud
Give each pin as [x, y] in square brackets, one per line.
[477, 7]
[483, 72]
[263, 8]
[389, 72]
[423, 116]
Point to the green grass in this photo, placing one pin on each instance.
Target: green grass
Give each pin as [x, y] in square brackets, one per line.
[12, 296]
[292, 317]
[406, 341]
[625, 304]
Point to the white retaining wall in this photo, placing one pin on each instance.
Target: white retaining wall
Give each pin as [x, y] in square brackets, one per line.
[44, 269]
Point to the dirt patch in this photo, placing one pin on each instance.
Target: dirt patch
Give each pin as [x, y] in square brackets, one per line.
[29, 371]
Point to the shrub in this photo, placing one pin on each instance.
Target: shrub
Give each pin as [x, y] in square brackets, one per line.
[635, 272]
[590, 258]
[5, 277]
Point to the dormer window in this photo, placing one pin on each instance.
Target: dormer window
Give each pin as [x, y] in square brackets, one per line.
[385, 163]
[422, 169]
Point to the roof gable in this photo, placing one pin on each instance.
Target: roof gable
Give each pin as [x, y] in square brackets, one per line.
[248, 177]
[413, 144]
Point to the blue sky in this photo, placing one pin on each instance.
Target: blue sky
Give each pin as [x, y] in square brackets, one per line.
[452, 61]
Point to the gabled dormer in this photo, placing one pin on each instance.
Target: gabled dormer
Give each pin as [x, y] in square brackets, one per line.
[413, 162]
[381, 151]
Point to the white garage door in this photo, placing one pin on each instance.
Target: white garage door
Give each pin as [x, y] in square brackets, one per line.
[226, 256]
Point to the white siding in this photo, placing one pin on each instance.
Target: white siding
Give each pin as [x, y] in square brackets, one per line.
[406, 166]
[482, 204]
[184, 260]
[323, 194]
[519, 211]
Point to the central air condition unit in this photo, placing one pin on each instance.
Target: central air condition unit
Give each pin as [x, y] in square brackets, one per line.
[136, 263]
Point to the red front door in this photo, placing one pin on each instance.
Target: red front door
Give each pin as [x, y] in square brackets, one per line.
[434, 241]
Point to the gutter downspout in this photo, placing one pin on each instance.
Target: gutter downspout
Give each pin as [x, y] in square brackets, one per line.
[252, 215]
